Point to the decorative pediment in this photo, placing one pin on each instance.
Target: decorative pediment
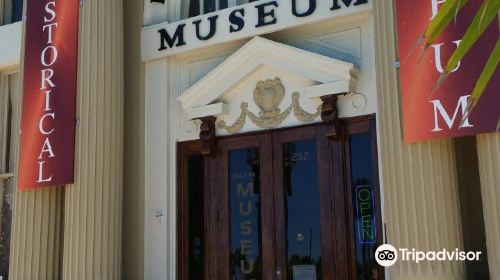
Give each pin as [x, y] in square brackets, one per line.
[330, 76]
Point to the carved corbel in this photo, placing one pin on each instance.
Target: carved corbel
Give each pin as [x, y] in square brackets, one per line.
[330, 114]
[207, 135]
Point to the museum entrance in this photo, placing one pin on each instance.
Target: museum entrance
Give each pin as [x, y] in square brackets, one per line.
[270, 205]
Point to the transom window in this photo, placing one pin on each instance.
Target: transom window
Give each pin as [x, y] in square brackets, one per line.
[192, 8]
[11, 11]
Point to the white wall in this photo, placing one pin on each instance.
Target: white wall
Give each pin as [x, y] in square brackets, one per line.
[10, 45]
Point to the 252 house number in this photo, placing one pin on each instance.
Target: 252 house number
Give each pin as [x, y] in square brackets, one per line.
[302, 156]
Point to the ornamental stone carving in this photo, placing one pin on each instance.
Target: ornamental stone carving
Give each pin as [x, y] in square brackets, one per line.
[300, 113]
[268, 96]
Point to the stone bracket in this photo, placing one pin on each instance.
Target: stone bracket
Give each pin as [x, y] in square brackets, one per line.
[330, 114]
[207, 135]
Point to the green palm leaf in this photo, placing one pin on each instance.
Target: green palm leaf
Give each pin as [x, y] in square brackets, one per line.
[489, 11]
[486, 14]
[482, 83]
[446, 14]
[484, 17]
[437, 25]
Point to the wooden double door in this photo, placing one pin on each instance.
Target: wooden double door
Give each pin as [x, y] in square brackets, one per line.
[277, 208]
[271, 205]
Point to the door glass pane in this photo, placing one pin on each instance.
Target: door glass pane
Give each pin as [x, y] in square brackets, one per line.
[244, 191]
[209, 6]
[196, 217]
[17, 10]
[303, 225]
[223, 4]
[194, 8]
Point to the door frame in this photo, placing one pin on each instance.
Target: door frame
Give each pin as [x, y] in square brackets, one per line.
[341, 231]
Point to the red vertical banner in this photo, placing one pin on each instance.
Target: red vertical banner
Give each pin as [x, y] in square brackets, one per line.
[438, 115]
[47, 147]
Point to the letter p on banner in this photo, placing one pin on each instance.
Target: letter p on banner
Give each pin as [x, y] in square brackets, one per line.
[47, 148]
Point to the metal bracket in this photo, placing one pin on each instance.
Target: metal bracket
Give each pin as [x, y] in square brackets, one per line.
[397, 63]
[160, 217]
[6, 176]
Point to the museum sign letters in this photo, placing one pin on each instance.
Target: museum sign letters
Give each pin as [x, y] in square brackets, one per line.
[240, 22]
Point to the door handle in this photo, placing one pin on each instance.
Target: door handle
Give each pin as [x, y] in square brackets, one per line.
[278, 273]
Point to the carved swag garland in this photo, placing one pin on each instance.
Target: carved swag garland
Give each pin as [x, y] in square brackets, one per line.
[268, 96]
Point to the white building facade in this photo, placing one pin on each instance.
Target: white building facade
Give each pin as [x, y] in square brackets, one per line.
[228, 139]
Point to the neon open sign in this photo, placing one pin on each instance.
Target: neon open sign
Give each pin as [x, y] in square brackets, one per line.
[365, 215]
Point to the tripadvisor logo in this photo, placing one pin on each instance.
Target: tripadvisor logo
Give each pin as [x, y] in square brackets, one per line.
[387, 255]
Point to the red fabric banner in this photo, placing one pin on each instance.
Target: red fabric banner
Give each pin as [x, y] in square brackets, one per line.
[49, 94]
[426, 116]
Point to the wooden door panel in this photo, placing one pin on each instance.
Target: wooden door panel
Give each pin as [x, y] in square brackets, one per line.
[217, 212]
[316, 134]
[333, 186]
[222, 203]
[327, 176]
[334, 198]
[268, 219]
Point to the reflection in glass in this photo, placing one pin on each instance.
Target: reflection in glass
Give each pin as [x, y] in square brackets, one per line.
[196, 214]
[17, 10]
[244, 191]
[12, 11]
[362, 189]
[302, 208]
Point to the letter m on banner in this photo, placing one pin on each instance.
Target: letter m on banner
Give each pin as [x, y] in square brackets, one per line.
[439, 111]
[47, 149]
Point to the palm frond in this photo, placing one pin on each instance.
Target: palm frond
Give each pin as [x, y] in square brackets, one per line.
[485, 16]
[437, 25]
[484, 79]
